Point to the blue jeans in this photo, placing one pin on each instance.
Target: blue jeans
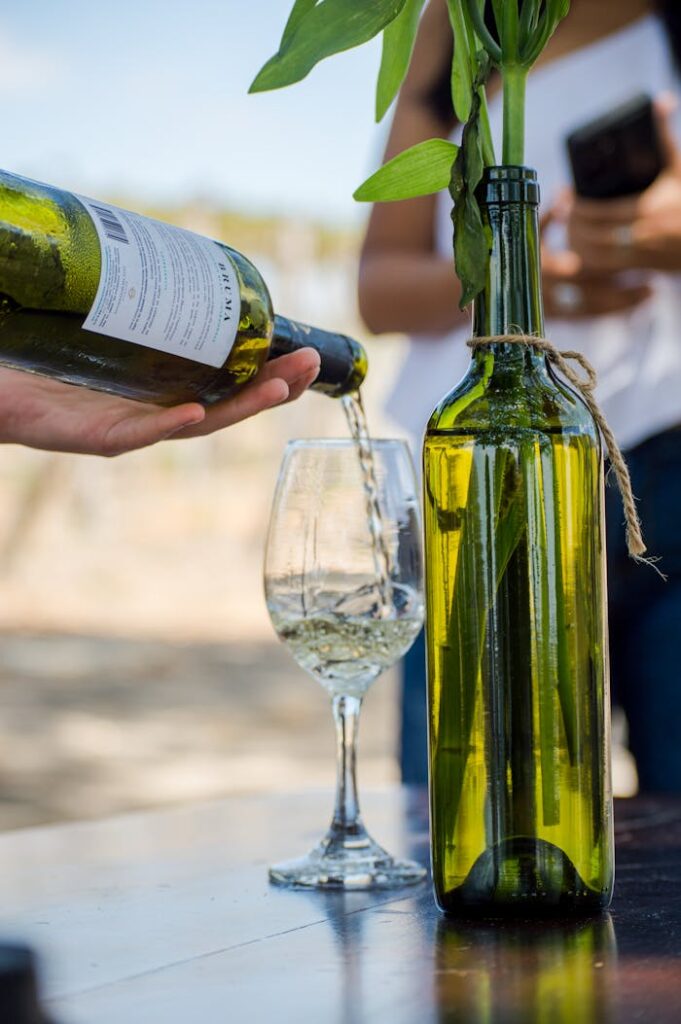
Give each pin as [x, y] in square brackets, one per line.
[645, 627]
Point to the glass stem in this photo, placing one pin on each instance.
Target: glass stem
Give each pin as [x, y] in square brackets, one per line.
[346, 818]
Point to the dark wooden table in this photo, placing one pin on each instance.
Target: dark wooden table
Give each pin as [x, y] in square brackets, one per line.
[167, 917]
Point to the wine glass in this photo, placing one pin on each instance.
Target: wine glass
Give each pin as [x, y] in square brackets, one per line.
[343, 584]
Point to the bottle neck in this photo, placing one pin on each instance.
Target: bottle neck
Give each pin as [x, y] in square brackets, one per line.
[343, 360]
[511, 301]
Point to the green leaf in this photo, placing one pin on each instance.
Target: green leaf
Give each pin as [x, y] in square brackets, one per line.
[398, 45]
[471, 251]
[476, 15]
[319, 31]
[552, 14]
[462, 75]
[494, 480]
[498, 7]
[300, 9]
[473, 38]
[558, 10]
[529, 16]
[419, 171]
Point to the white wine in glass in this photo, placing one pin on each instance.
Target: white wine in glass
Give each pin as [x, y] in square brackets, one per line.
[345, 592]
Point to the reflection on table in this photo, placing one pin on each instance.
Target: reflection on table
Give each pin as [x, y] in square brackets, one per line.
[168, 917]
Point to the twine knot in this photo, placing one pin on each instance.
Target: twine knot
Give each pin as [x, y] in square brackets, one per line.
[585, 386]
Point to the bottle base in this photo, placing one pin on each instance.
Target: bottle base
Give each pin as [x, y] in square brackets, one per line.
[523, 877]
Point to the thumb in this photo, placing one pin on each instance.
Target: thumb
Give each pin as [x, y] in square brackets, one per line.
[666, 105]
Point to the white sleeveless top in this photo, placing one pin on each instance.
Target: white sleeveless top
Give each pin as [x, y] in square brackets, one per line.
[637, 355]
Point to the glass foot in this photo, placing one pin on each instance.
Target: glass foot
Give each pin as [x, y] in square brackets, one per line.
[347, 862]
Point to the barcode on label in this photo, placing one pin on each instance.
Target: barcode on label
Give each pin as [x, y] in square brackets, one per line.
[113, 228]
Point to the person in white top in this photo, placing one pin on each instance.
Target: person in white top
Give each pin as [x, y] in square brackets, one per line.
[612, 289]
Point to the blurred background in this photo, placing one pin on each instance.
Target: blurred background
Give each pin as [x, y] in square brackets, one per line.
[137, 663]
[138, 666]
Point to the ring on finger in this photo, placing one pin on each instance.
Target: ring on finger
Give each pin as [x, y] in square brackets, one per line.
[568, 297]
[623, 236]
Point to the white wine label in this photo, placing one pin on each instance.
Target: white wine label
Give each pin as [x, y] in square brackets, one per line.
[163, 287]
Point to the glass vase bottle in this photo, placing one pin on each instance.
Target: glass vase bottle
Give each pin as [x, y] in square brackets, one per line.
[520, 789]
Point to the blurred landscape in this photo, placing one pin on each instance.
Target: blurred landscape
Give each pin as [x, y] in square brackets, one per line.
[138, 666]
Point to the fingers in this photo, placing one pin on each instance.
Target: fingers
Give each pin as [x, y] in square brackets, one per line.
[169, 421]
[558, 211]
[292, 367]
[130, 432]
[47, 414]
[665, 107]
[299, 387]
[609, 234]
[251, 400]
[587, 280]
[562, 264]
[606, 211]
[651, 243]
[281, 380]
[299, 370]
[628, 209]
[284, 379]
[583, 298]
[605, 247]
[575, 291]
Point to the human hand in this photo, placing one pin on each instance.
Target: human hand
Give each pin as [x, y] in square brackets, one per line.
[573, 292]
[641, 232]
[43, 413]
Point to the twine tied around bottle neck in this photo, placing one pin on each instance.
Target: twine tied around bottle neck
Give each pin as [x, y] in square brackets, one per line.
[585, 386]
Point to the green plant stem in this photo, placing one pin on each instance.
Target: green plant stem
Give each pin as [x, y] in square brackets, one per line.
[488, 154]
[515, 79]
[509, 31]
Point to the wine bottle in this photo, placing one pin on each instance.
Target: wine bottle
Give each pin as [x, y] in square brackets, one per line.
[97, 296]
[520, 787]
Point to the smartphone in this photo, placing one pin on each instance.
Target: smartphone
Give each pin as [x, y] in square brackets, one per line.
[618, 154]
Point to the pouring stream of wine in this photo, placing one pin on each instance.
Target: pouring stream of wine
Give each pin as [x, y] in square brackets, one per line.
[359, 430]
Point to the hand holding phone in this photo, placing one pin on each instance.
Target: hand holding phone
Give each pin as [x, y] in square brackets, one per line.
[618, 154]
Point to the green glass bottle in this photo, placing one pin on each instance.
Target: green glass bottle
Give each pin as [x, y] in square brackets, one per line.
[521, 800]
[97, 296]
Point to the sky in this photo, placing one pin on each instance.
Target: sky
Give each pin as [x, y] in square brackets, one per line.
[148, 98]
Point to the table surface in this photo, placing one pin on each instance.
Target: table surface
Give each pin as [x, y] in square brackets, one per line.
[168, 917]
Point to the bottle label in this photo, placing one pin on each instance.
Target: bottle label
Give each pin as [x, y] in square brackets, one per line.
[163, 287]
